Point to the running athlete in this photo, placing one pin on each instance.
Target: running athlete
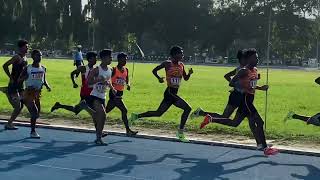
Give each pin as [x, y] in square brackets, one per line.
[235, 98]
[248, 78]
[15, 88]
[175, 71]
[100, 79]
[85, 89]
[314, 120]
[120, 78]
[34, 76]
[235, 94]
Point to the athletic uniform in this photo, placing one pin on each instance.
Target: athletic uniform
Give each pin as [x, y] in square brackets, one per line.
[99, 89]
[236, 94]
[249, 83]
[34, 83]
[14, 86]
[119, 80]
[85, 89]
[174, 73]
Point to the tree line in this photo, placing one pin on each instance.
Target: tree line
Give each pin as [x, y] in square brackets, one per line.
[211, 27]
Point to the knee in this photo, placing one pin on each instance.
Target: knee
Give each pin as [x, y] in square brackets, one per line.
[124, 111]
[258, 120]
[34, 115]
[159, 113]
[21, 106]
[236, 123]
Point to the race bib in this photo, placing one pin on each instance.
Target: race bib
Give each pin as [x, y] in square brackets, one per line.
[120, 81]
[175, 81]
[253, 83]
[37, 76]
[101, 88]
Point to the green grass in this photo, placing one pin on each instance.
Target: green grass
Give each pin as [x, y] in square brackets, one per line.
[289, 90]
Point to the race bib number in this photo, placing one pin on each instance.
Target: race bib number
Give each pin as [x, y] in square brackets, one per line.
[37, 76]
[101, 88]
[120, 81]
[253, 83]
[175, 81]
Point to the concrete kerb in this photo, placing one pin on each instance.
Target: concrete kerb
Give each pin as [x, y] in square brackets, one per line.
[163, 138]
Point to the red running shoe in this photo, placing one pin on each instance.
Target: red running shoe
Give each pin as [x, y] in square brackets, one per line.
[270, 151]
[207, 119]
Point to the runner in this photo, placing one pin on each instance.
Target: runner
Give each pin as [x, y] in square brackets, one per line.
[235, 94]
[100, 79]
[34, 76]
[120, 78]
[248, 78]
[85, 89]
[15, 88]
[175, 71]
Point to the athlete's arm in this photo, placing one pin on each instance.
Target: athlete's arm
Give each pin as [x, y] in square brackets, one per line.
[76, 72]
[74, 58]
[23, 76]
[8, 63]
[230, 74]
[241, 74]
[156, 69]
[262, 88]
[109, 83]
[45, 81]
[92, 77]
[317, 80]
[127, 80]
[186, 76]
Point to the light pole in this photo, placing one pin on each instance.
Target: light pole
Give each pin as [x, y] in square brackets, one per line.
[268, 60]
[93, 23]
[318, 29]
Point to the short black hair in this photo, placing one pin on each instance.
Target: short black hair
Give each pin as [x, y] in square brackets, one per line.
[91, 54]
[239, 54]
[105, 52]
[122, 55]
[22, 43]
[35, 51]
[249, 52]
[175, 50]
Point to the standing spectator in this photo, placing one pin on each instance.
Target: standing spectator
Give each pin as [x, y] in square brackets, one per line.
[78, 59]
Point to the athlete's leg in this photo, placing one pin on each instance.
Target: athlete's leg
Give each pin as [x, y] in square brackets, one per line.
[163, 107]
[100, 118]
[58, 105]
[182, 104]
[122, 107]
[301, 117]
[15, 99]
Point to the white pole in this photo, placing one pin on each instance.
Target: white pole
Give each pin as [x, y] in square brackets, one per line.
[268, 60]
[318, 23]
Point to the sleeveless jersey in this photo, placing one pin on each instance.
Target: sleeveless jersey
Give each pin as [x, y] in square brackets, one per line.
[35, 77]
[17, 68]
[99, 89]
[119, 79]
[174, 74]
[249, 83]
[85, 89]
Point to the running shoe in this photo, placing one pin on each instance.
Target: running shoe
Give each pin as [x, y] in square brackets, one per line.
[207, 119]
